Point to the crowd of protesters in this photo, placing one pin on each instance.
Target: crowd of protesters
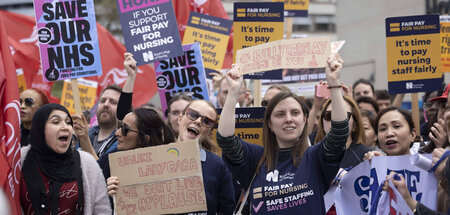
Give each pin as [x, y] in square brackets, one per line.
[313, 144]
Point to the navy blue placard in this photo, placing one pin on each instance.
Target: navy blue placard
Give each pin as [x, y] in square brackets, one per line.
[414, 86]
[254, 113]
[151, 33]
[296, 13]
[217, 25]
[258, 12]
[412, 25]
[271, 75]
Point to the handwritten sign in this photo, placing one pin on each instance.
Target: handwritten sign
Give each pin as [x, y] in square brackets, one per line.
[212, 33]
[87, 90]
[257, 23]
[150, 30]
[182, 74]
[285, 54]
[413, 56]
[445, 43]
[68, 40]
[159, 180]
[295, 8]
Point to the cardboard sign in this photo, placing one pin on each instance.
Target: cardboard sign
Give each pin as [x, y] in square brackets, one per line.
[182, 74]
[87, 90]
[285, 54]
[445, 43]
[163, 179]
[68, 40]
[257, 23]
[150, 30]
[357, 188]
[212, 34]
[295, 8]
[249, 124]
[413, 56]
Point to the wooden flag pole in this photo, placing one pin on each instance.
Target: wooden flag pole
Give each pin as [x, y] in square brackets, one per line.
[415, 111]
[76, 96]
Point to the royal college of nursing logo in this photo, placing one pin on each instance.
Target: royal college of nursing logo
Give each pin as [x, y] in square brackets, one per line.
[409, 85]
[272, 176]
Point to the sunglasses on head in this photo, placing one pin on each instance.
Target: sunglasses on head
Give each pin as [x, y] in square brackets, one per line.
[327, 115]
[205, 121]
[264, 103]
[28, 102]
[126, 129]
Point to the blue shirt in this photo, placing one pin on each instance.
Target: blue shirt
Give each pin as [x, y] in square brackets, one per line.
[287, 189]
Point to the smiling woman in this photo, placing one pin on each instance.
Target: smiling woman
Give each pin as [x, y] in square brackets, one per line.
[294, 176]
[51, 166]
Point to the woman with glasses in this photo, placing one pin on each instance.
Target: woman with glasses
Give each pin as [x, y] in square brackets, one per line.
[355, 144]
[30, 100]
[57, 179]
[196, 122]
[288, 176]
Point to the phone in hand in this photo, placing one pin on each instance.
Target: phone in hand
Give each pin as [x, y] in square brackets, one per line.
[322, 91]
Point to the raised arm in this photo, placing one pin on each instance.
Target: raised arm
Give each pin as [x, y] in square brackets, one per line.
[231, 145]
[335, 141]
[126, 97]
[227, 119]
[81, 129]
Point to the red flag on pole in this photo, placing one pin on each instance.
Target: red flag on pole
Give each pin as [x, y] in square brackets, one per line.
[22, 34]
[9, 124]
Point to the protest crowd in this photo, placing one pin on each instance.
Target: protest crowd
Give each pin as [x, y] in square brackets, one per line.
[214, 144]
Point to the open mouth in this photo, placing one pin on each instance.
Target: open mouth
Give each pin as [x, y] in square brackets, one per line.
[289, 129]
[64, 138]
[193, 131]
[391, 144]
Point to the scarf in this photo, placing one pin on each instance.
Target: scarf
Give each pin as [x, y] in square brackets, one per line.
[59, 168]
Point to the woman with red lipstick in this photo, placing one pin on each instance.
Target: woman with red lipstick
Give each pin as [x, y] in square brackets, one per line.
[288, 176]
[395, 132]
[56, 178]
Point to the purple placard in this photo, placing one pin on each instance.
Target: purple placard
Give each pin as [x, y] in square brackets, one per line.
[68, 40]
[130, 5]
[182, 74]
[150, 30]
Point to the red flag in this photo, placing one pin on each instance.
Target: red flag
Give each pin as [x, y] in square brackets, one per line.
[209, 7]
[9, 124]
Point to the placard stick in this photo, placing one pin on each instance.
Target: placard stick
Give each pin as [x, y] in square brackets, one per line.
[289, 27]
[76, 96]
[257, 93]
[415, 111]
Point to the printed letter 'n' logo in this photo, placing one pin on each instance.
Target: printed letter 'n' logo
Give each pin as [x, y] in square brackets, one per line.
[147, 56]
[409, 85]
[272, 176]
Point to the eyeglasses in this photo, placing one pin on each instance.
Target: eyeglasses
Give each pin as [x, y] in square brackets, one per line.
[264, 103]
[326, 115]
[28, 102]
[205, 121]
[126, 129]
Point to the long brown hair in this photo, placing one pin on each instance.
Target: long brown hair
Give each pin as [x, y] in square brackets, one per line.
[208, 143]
[269, 138]
[358, 134]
